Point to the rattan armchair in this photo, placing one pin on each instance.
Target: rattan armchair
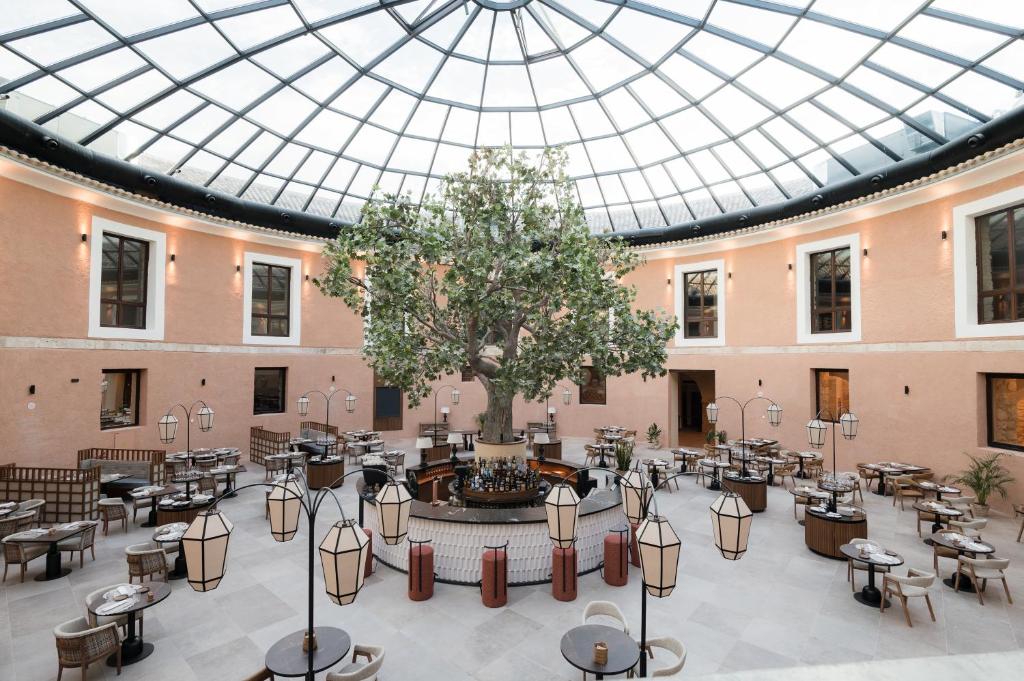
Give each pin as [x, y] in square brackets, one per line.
[79, 645]
[145, 560]
[33, 505]
[867, 475]
[16, 553]
[914, 585]
[141, 504]
[275, 466]
[979, 571]
[85, 541]
[786, 470]
[113, 509]
[361, 672]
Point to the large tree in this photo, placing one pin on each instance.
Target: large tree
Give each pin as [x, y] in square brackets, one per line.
[499, 273]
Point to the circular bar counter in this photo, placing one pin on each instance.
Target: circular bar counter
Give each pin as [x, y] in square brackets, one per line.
[825, 534]
[752, 489]
[323, 472]
[459, 534]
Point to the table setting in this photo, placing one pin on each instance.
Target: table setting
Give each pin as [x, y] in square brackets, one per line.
[873, 555]
[129, 599]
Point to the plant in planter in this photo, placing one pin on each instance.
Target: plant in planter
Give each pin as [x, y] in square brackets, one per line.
[985, 475]
[654, 436]
[500, 275]
[623, 454]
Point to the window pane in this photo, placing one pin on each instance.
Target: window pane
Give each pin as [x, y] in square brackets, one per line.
[269, 391]
[133, 263]
[259, 326]
[132, 316]
[993, 253]
[119, 398]
[1006, 415]
[108, 314]
[1018, 240]
[110, 260]
[278, 326]
[260, 280]
[279, 290]
[833, 393]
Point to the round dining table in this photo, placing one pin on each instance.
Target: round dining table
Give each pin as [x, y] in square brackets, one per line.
[133, 648]
[963, 545]
[578, 649]
[716, 468]
[941, 513]
[801, 458]
[862, 553]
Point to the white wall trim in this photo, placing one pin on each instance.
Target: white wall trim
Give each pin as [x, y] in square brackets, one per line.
[47, 343]
[679, 282]
[803, 290]
[965, 266]
[294, 300]
[156, 273]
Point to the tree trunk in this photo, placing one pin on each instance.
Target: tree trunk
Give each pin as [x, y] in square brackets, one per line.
[498, 417]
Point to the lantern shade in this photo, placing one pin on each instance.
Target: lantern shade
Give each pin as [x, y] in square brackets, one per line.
[350, 403]
[205, 418]
[343, 556]
[205, 543]
[551, 411]
[168, 426]
[456, 395]
[730, 522]
[445, 411]
[636, 495]
[454, 439]
[562, 506]
[849, 423]
[774, 414]
[303, 406]
[541, 439]
[393, 505]
[285, 503]
[712, 410]
[566, 396]
[816, 433]
[659, 555]
[424, 443]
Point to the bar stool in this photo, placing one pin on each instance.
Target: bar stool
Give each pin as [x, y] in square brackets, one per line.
[368, 569]
[494, 576]
[616, 557]
[421, 570]
[634, 548]
[563, 573]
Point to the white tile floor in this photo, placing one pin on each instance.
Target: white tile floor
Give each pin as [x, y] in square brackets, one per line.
[779, 607]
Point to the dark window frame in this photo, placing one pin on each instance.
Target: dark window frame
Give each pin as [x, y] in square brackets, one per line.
[817, 394]
[136, 388]
[117, 302]
[269, 316]
[989, 439]
[1015, 286]
[700, 316]
[587, 373]
[257, 410]
[833, 309]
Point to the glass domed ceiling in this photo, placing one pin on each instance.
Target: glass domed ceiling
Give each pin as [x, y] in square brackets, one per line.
[670, 110]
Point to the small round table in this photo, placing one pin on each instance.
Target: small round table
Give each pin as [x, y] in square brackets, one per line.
[941, 513]
[603, 447]
[133, 649]
[654, 467]
[870, 595]
[973, 547]
[772, 463]
[801, 457]
[286, 657]
[716, 466]
[172, 534]
[929, 486]
[578, 649]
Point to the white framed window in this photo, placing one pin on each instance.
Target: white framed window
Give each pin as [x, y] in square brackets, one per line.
[106, 318]
[253, 331]
[827, 316]
[700, 304]
[965, 266]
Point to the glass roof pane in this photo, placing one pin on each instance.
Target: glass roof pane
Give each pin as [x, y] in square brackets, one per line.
[885, 15]
[59, 44]
[254, 28]
[764, 26]
[948, 36]
[184, 53]
[831, 49]
[19, 15]
[128, 18]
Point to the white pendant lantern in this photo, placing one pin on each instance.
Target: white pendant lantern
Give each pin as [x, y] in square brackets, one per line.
[424, 443]
[285, 502]
[849, 423]
[562, 507]
[730, 522]
[636, 495]
[816, 433]
[541, 439]
[168, 426]
[551, 412]
[659, 555]
[303, 406]
[343, 556]
[393, 505]
[350, 403]
[205, 543]
[205, 418]
[566, 396]
[774, 414]
[456, 396]
[712, 410]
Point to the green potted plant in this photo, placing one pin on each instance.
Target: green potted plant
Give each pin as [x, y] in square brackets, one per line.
[985, 475]
[711, 437]
[654, 436]
[722, 437]
[623, 455]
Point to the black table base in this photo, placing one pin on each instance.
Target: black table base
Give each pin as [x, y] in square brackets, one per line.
[180, 570]
[966, 585]
[871, 597]
[133, 648]
[53, 567]
[151, 518]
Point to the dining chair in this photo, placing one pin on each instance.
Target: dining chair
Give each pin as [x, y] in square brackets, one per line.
[939, 551]
[786, 470]
[605, 609]
[853, 565]
[35, 506]
[963, 503]
[262, 675]
[979, 571]
[16, 553]
[80, 543]
[79, 645]
[914, 585]
[674, 647]
[355, 671]
[903, 488]
[231, 459]
[801, 501]
[207, 485]
[145, 559]
[113, 509]
[275, 466]
[1018, 510]
[924, 517]
[969, 528]
[144, 503]
[867, 475]
[590, 456]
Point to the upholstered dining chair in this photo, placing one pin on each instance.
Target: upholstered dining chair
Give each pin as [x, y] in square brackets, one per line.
[145, 560]
[786, 470]
[903, 488]
[867, 475]
[262, 675]
[675, 648]
[274, 466]
[355, 671]
[590, 455]
[35, 506]
[1018, 510]
[113, 509]
[80, 543]
[605, 609]
[969, 528]
[79, 645]
[962, 503]
[16, 553]
[914, 585]
[979, 571]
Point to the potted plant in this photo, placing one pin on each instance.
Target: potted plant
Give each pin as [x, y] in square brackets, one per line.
[480, 422]
[985, 475]
[623, 455]
[654, 436]
[497, 277]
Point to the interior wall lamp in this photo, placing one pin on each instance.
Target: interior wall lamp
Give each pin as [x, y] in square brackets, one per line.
[172, 257]
[789, 267]
[730, 275]
[865, 252]
[85, 237]
[944, 235]
[238, 268]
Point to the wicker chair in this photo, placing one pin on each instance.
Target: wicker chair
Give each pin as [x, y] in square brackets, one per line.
[113, 509]
[79, 645]
[33, 505]
[119, 620]
[8, 526]
[361, 672]
[786, 470]
[274, 466]
[26, 519]
[86, 540]
[867, 475]
[903, 488]
[914, 585]
[145, 559]
[979, 571]
[19, 554]
[206, 463]
[141, 504]
[207, 485]
[591, 455]
[1018, 510]
[232, 459]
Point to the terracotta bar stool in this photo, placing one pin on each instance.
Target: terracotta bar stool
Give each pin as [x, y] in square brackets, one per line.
[368, 570]
[616, 557]
[634, 548]
[494, 576]
[563, 574]
[421, 570]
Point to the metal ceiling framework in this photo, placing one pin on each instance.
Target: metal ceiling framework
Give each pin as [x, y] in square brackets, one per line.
[739, 166]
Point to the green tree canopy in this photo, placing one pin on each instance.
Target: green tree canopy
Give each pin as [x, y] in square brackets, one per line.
[501, 274]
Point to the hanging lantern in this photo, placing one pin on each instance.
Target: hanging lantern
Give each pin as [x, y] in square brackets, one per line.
[659, 555]
[303, 406]
[816, 433]
[730, 522]
[343, 555]
[566, 396]
[205, 418]
[285, 502]
[393, 505]
[456, 395]
[849, 423]
[168, 426]
[350, 403]
[774, 414]
[562, 506]
[712, 410]
[636, 495]
[205, 543]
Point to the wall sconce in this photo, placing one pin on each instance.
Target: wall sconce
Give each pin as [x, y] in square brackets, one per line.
[32, 389]
[789, 267]
[172, 257]
[865, 252]
[668, 282]
[906, 390]
[730, 275]
[332, 381]
[759, 383]
[202, 382]
[74, 380]
[307, 277]
[944, 235]
[85, 237]
[238, 268]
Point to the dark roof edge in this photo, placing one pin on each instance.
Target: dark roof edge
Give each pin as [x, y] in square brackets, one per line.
[47, 147]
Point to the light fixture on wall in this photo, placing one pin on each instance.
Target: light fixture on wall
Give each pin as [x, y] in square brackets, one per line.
[865, 252]
[172, 257]
[238, 268]
[730, 275]
[789, 266]
[32, 389]
[85, 237]
[307, 277]
[668, 282]
[944, 235]
[906, 390]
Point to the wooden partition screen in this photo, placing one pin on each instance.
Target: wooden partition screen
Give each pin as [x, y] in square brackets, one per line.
[319, 427]
[70, 493]
[154, 457]
[263, 443]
